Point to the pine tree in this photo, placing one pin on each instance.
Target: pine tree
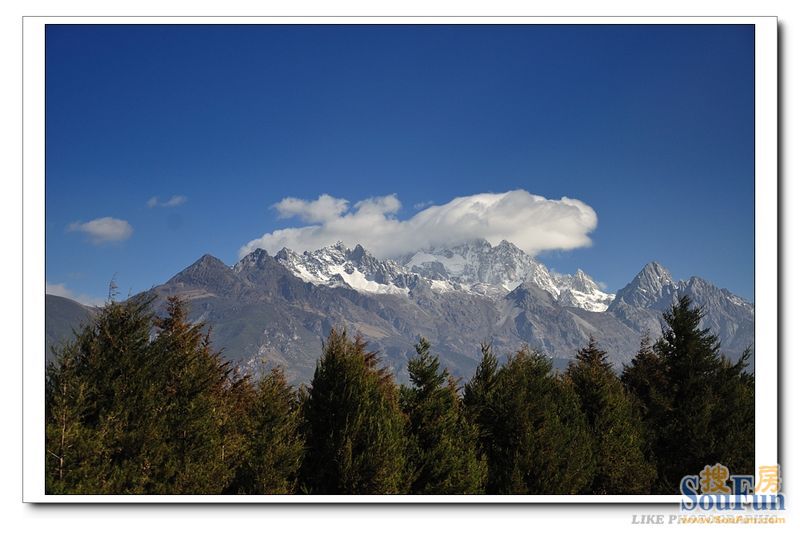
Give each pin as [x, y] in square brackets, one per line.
[197, 450]
[615, 425]
[274, 445]
[478, 394]
[66, 436]
[539, 441]
[697, 406]
[129, 413]
[102, 384]
[691, 357]
[442, 446]
[733, 421]
[645, 378]
[355, 442]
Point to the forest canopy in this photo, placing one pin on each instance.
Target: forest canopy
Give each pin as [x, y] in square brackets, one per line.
[142, 404]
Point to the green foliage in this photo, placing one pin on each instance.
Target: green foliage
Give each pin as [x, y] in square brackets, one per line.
[442, 443]
[196, 452]
[478, 394]
[142, 404]
[697, 406]
[646, 379]
[615, 425]
[97, 391]
[67, 469]
[270, 422]
[733, 422]
[130, 414]
[355, 441]
[539, 441]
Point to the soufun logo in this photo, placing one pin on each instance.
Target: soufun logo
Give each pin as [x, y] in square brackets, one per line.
[716, 489]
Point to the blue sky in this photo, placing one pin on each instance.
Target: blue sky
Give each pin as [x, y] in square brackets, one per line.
[650, 126]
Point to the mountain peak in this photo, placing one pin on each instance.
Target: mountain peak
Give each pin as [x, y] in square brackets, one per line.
[256, 258]
[474, 244]
[580, 290]
[651, 286]
[654, 269]
[285, 252]
[207, 259]
[474, 266]
[336, 266]
[358, 252]
[258, 252]
[205, 263]
[507, 247]
[582, 282]
[207, 269]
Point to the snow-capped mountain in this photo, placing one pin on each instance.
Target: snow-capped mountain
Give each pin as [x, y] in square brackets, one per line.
[338, 266]
[477, 262]
[474, 267]
[652, 286]
[581, 291]
[640, 304]
[277, 310]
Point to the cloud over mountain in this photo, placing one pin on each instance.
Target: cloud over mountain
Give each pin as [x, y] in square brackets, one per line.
[532, 222]
[325, 208]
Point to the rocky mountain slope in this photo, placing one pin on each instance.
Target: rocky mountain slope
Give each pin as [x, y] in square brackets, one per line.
[276, 310]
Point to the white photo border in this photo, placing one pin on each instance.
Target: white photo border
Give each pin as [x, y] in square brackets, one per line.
[33, 187]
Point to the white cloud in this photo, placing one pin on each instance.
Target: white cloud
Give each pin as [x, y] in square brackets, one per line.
[532, 222]
[325, 208]
[62, 291]
[104, 229]
[175, 200]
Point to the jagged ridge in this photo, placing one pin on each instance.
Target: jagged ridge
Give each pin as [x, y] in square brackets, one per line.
[278, 309]
[474, 267]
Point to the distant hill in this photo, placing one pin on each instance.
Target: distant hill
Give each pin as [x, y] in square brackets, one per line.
[62, 315]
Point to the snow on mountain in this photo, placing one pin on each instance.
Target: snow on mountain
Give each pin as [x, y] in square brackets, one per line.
[653, 285]
[336, 265]
[641, 303]
[476, 264]
[581, 291]
[475, 267]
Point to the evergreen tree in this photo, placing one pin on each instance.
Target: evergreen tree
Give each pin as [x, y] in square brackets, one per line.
[539, 440]
[108, 370]
[139, 404]
[129, 413]
[274, 445]
[355, 441]
[698, 407]
[67, 438]
[198, 448]
[733, 421]
[478, 393]
[615, 425]
[645, 378]
[442, 446]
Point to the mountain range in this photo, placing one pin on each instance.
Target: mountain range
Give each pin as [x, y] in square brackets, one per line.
[277, 309]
